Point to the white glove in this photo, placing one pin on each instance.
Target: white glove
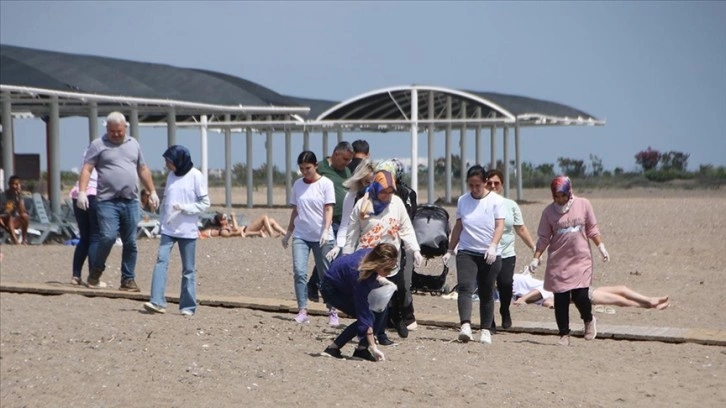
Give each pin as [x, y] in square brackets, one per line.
[384, 281]
[332, 254]
[491, 255]
[178, 207]
[286, 240]
[447, 256]
[82, 201]
[533, 265]
[418, 259]
[323, 239]
[603, 252]
[378, 354]
[154, 200]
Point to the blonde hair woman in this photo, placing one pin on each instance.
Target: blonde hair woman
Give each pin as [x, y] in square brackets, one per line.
[347, 286]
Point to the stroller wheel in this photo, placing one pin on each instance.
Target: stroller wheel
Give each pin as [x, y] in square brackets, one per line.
[445, 290]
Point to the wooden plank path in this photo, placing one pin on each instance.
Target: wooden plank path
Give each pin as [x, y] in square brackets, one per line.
[616, 332]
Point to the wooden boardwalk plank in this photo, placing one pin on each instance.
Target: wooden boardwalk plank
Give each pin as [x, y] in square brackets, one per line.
[617, 332]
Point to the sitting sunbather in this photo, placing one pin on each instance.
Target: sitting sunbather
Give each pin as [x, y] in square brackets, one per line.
[530, 290]
[13, 214]
[262, 226]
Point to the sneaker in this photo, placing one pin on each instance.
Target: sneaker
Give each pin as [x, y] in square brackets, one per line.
[302, 316]
[129, 285]
[332, 352]
[76, 281]
[475, 298]
[591, 329]
[150, 307]
[333, 320]
[187, 313]
[383, 340]
[486, 337]
[363, 354]
[413, 326]
[402, 329]
[95, 285]
[465, 333]
[506, 320]
[564, 341]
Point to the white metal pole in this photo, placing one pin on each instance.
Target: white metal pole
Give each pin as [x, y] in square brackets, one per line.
[92, 121]
[249, 182]
[518, 158]
[134, 122]
[205, 147]
[340, 135]
[463, 149]
[414, 139]
[8, 139]
[325, 143]
[228, 164]
[54, 151]
[505, 160]
[447, 153]
[306, 139]
[477, 137]
[431, 169]
[493, 147]
[171, 127]
[268, 146]
[288, 165]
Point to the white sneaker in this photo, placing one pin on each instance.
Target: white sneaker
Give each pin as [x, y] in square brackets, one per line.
[187, 313]
[486, 337]
[412, 327]
[150, 307]
[465, 333]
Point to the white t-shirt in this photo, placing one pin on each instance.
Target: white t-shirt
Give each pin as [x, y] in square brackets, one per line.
[186, 191]
[524, 283]
[477, 220]
[348, 204]
[310, 200]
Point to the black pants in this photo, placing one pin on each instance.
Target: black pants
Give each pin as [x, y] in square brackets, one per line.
[581, 299]
[398, 309]
[505, 284]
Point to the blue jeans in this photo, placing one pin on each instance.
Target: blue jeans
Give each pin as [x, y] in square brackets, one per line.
[187, 250]
[300, 252]
[336, 299]
[117, 217]
[314, 280]
[88, 229]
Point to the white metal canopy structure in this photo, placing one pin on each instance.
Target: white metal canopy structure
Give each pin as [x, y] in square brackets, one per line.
[436, 108]
[51, 85]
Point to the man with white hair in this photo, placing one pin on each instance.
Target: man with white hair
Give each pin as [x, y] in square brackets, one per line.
[119, 163]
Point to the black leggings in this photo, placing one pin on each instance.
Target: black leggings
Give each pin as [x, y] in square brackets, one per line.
[505, 283]
[581, 298]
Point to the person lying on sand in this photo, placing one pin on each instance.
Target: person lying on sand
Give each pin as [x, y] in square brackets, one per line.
[530, 290]
[262, 226]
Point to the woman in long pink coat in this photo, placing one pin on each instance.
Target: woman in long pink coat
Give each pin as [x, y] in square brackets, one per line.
[565, 228]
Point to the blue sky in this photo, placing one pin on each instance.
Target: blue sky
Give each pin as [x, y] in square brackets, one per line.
[656, 71]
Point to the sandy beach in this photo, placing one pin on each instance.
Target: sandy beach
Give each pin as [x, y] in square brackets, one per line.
[72, 350]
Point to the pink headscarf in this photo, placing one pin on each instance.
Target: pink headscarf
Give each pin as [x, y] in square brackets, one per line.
[562, 184]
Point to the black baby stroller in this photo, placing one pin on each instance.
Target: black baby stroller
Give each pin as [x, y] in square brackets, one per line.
[431, 224]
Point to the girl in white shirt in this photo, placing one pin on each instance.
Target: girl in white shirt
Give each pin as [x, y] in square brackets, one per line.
[185, 196]
[312, 200]
[477, 232]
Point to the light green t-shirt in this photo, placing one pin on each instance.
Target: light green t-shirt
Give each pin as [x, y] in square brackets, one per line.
[512, 217]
